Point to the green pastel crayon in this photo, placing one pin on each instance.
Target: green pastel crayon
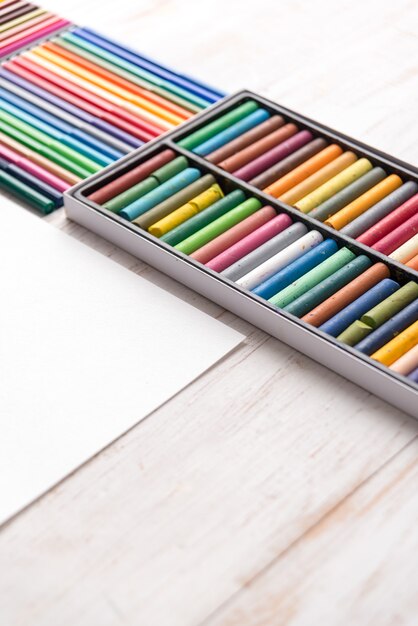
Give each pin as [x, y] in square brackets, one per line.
[170, 169]
[218, 226]
[119, 202]
[326, 288]
[22, 190]
[354, 333]
[312, 278]
[195, 223]
[221, 123]
[390, 306]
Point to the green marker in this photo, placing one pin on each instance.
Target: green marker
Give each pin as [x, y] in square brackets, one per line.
[326, 288]
[53, 144]
[222, 122]
[195, 223]
[218, 226]
[312, 278]
[18, 188]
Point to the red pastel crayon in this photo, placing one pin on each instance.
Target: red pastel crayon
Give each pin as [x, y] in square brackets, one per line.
[390, 222]
[397, 237]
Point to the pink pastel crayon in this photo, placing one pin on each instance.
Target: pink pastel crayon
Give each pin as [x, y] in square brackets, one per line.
[387, 224]
[39, 33]
[249, 242]
[34, 169]
[397, 237]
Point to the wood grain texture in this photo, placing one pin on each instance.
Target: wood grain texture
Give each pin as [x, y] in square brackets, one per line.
[270, 491]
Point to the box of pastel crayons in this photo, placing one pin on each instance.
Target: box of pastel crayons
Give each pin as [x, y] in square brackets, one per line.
[308, 234]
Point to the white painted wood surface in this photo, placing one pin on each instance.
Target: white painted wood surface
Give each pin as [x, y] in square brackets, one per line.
[271, 491]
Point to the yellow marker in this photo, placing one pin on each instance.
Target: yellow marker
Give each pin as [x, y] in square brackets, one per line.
[393, 350]
[183, 213]
[406, 251]
[334, 185]
[364, 202]
[318, 178]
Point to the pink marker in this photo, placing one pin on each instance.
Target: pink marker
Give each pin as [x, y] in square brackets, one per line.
[32, 168]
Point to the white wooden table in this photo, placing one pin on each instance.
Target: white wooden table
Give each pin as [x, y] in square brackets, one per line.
[270, 491]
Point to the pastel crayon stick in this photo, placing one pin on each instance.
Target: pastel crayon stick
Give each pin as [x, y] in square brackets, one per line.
[233, 235]
[334, 185]
[406, 251]
[384, 216]
[251, 152]
[30, 30]
[269, 158]
[180, 215]
[413, 263]
[232, 132]
[218, 226]
[348, 194]
[280, 260]
[221, 123]
[265, 251]
[348, 294]
[364, 202]
[296, 269]
[22, 190]
[32, 181]
[288, 164]
[303, 171]
[176, 201]
[413, 376]
[34, 18]
[300, 286]
[40, 160]
[407, 363]
[379, 314]
[32, 168]
[195, 223]
[162, 192]
[250, 242]
[318, 178]
[398, 346]
[144, 186]
[398, 236]
[326, 288]
[246, 139]
[40, 33]
[336, 324]
[21, 20]
[22, 10]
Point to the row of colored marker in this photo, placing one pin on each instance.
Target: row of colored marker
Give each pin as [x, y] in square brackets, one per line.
[75, 104]
[317, 177]
[22, 22]
[296, 269]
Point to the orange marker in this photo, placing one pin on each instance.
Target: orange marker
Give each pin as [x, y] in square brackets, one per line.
[364, 202]
[304, 170]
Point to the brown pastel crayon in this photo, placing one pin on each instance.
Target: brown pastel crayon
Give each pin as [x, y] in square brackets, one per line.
[342, 298]
[246, 139]
[134, 176]
[253, 151]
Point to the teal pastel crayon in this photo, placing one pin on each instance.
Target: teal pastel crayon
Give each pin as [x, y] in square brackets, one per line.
[160, 193]
[195, 223]
[232, 132]
[219, 124]
[295, 270]
[312, 278]
[327, 287]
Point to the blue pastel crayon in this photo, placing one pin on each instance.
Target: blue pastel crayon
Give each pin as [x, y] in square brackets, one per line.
[227, 135]
[413, 375]
[207, 93]
[96, 122]
[353, 311]
[161, 193]
[32, 181]
[389, 329]
[99, 147]
[295, 270]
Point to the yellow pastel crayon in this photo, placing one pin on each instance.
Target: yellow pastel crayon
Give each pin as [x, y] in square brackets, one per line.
[358, 206]
[318, 178]
[183, 213]
[406, 251]
[397, 347]
[334, 185]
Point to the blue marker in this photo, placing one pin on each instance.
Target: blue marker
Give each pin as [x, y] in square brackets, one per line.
[161, 193]
[237, 129]
[295, 270]
[32, 181]
[51, 120]
[353, 311]
[389, 329]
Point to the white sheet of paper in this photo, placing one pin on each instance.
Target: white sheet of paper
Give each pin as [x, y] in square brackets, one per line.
[87, 349]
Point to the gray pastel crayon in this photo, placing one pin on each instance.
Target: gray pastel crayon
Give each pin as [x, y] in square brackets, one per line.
[265, 251]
